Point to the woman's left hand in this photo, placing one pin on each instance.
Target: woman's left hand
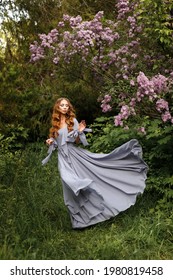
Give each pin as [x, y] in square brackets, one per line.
[82, 126]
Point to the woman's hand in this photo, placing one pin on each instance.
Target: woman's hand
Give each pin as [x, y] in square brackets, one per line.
[82, 126]
[49, 141]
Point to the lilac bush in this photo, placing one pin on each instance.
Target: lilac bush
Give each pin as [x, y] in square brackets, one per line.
[118, 52]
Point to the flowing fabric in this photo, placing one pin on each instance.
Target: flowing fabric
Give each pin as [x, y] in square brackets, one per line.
[96, 186]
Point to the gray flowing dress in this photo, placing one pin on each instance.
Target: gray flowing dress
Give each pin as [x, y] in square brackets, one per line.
[96, 186]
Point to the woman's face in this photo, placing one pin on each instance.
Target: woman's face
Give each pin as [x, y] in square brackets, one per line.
[63, 106]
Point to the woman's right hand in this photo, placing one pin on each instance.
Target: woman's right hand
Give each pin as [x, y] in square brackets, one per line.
[49, 141]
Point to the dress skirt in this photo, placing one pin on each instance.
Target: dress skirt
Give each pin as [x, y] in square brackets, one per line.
[97, 186]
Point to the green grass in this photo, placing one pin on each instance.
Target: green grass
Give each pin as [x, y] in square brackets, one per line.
[35, 223]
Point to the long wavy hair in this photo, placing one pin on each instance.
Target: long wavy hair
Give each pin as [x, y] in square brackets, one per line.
[56, 118]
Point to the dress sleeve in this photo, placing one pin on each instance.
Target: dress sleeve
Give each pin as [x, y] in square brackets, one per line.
[72, 135]
[52, 147]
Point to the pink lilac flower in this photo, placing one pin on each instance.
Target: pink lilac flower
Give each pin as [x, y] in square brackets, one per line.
[107, 98]
[145, 87]
[134, 55]
[125, 77]
[118, 121]
[123, 8]
[37, 52]
[61, 24]
[162, 104]
[132, 83]
[166, 116]
[125, 111]
[133, 102]
[66, 17]
[56, 60]
[105, 106]
[159, 83]
[126, 127]
[142, 130]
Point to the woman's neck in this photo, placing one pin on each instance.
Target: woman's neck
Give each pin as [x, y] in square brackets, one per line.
[62, 121]
[63, 118]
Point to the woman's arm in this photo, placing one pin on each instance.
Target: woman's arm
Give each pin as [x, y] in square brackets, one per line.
[49, 141]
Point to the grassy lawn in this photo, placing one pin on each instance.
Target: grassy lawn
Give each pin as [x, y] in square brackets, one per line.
[35, 223]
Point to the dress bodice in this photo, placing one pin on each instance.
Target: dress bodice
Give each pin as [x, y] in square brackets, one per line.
[65, 137]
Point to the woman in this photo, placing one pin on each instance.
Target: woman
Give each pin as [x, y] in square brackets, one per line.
[96, 187]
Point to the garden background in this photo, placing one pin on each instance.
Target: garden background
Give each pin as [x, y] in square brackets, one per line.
[113, 59]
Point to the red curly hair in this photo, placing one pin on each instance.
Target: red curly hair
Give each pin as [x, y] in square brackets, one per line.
[56, 118]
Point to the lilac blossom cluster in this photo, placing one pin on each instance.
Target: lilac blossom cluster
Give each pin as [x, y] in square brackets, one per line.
[106, 107]
[122, 8]
[83, 37]
[126, 10]
[151, 90]
[152, 87]
[92, 40]
[124, 114]
[163, 107]
[134, 27]
[38, 51]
